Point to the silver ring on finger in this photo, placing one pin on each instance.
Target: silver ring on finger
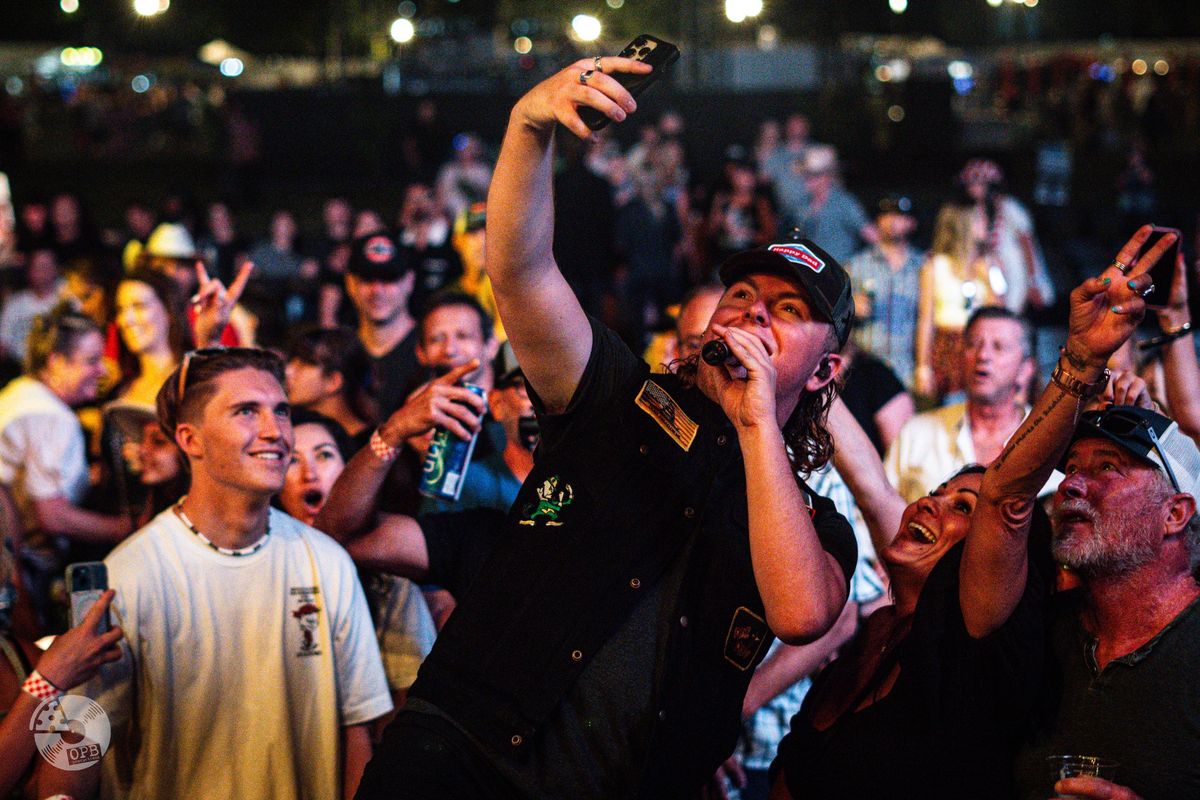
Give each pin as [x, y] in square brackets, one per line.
[1147, 291]
[583, 76]
[596, 64]
[1119, 265]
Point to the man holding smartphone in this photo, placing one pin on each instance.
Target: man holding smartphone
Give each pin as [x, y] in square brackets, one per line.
[662, 536]
[249, 662]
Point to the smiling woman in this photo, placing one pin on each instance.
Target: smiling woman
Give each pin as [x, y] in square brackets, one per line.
[932, 706]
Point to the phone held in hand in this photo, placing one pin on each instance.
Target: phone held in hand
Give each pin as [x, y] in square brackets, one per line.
[86, 581]
[650, 49]
[1162, 273]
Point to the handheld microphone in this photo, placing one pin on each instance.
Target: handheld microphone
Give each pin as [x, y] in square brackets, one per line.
[717, 353]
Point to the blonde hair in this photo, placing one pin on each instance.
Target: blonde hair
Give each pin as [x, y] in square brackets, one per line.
[952, 235]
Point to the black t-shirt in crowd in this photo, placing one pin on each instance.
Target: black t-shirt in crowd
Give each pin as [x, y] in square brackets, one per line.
[392, 374]
[1142, 710]
[870, 385]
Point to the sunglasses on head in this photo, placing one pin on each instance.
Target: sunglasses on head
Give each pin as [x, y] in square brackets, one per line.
[1124, 424]
[202, 353]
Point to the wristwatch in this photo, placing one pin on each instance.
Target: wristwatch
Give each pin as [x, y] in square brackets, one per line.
[1076, 387]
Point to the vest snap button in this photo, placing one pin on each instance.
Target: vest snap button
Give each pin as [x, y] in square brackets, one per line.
[577, 655]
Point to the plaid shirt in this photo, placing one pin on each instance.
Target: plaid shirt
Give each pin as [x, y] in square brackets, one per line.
[890, 331]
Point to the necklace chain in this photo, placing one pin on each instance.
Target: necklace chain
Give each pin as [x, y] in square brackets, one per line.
[225, 551]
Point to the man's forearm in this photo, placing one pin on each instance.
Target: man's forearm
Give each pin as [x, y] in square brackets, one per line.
[58, 515]
[356, 752]
[1182, 375]
[800, 584]
[780, 670]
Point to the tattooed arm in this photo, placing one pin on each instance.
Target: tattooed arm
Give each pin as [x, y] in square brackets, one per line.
[1105, 311]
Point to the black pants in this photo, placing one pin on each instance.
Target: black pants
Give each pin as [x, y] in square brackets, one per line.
[425, 757]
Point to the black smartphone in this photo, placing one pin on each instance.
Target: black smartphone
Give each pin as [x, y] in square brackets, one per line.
[86, 581]
[650, 49]
[1162, 273]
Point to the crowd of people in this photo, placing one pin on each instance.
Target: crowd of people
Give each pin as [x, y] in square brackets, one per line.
[669, 570]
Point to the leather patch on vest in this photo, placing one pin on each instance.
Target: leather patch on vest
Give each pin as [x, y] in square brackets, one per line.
[747, 632]
[655, 401]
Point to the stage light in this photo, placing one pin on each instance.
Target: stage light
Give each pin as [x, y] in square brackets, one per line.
[1138, 66]
[896, 113]
[69, 6]
[586, 27]
[768, 37]
[232, 67]
[1161, 67]
[149, 8]
[898, 6]
[960, 70]
[522, 44]
[402, 31]
[140, 84]
[615, 3]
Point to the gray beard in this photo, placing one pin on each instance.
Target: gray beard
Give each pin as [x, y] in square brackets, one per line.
[1119, 544]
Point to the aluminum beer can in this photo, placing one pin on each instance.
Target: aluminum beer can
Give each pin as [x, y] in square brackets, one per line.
[446, 462]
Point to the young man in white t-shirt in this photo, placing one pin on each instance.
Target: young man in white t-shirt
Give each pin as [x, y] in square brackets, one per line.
[250, 666]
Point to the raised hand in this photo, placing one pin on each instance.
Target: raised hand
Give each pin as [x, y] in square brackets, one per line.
[439, 403]
[1172, 316]
[77, 655]
[747, 399]
[558, 98]
[1106, 309]
[214, 303]
[1124, 389]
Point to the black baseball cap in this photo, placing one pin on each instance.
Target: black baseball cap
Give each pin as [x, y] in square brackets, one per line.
[893, 204]
[1151, 437]
[827, 283]
[376, 257]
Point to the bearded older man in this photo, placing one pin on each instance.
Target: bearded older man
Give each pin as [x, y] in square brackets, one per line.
[1126, 644]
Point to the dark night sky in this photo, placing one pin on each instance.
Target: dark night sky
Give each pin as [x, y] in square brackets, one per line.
[303, 26]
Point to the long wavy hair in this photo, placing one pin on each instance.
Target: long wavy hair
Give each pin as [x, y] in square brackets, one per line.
[809, 442]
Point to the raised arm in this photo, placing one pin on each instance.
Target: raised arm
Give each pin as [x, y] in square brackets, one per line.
[923, 378]
[857, 461]
[1105, 311]
[350, 509]
[1179, 355]
[802, 586]
[549, 332]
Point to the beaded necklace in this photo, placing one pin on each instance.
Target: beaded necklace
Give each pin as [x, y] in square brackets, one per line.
[225, 551]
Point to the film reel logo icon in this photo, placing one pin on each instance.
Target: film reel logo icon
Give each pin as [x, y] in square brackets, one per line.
[70, 732]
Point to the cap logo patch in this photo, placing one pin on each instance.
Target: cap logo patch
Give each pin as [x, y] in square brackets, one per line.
[799, 254]
[379, 250]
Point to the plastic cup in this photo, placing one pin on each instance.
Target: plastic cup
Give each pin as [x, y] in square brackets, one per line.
[1075, 766]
